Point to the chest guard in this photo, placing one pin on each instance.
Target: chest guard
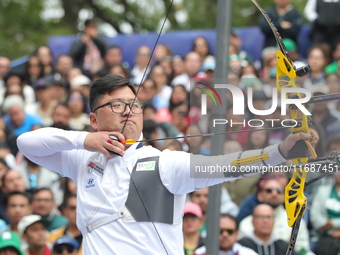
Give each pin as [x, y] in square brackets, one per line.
[148, 199]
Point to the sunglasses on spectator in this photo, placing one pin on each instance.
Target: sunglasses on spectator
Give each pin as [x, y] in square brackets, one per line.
[271, 190]
[61, 248]
[230, 231]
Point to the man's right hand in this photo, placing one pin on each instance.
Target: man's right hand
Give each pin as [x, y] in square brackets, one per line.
[101, 142]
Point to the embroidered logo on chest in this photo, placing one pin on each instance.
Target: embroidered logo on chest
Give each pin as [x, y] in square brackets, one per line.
[146, 166]
[90, 183]
[95, 167]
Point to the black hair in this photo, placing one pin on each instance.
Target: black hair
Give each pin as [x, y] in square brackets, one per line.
[14, 193]
[233, 218]
[106, 85]
[43, 189]
[66, 199]
[88, 22]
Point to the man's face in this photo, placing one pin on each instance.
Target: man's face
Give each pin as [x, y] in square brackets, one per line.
[61, 116]
[106, 120]
[272, 193]
[35, 235]
[13, 182]
[64, 64]
[17, 115]
[200, 197]
[4, 66]
[18, 206]
[228, 234]
[43, 203]
[191, 224]
[70, 210]
[113, 56]
[263, 220]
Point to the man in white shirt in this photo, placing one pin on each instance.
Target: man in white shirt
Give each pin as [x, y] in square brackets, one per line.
[130, 197]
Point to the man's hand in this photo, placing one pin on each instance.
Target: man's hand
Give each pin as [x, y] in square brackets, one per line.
[290, 141]
[100, 142]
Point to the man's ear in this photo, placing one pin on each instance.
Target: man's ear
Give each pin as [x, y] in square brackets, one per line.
[93, 121]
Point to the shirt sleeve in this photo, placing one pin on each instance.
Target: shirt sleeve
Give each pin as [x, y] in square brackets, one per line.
[310, 11]
[182, 172]
[55, 149]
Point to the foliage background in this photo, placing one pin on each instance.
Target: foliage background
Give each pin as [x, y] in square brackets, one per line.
[25, 24]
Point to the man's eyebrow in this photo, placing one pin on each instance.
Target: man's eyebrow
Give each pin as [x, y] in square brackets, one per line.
[123, 99]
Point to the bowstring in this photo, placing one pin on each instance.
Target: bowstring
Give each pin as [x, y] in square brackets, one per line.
[148, 64]
[130, 110]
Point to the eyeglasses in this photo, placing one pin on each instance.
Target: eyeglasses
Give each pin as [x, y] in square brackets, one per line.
[59, 249]
[262, 217]
[271, 190]
[230, 231]
[120, 107]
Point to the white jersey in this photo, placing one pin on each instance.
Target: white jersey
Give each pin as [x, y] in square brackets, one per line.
[103, 187]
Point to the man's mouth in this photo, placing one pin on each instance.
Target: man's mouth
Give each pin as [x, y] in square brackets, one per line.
[127, 121]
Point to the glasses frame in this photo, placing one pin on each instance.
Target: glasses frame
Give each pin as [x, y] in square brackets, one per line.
[126, 104]
[271, 190]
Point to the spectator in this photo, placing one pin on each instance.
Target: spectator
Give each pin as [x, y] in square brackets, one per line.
[327, 119]
[147, 91]
[44, 54]
[77, 105]
[43, 204]
[192, 215]
[61, 116]
[270, 191]
[89, 51]
[113, 56]
[262, 239]
[228, 238]
[286, 19]
[68, 209]
[162, 98]
[162, 51]
[200, 197]
[18, 205]
[36, 176]
[13, 78]
[192, 63]
[3, 169]
[33, 231]
[120, 70]
[325, 217]
[325, 21]
[45, 101]
[180, 74]
[16, 118]
[201, 46]
[12, 181]
[8, 136]
[10, 243]
[65, 246]
[63, 65]
[4, 68]
[318, 58]
[34, 71]
[293, 53]
[139, 69]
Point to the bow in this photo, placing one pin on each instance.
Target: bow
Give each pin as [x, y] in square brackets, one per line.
[286, 74]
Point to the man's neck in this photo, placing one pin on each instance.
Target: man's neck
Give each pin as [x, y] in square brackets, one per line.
[263, 238]
[37, 250]
[192, 238]
[73, 229]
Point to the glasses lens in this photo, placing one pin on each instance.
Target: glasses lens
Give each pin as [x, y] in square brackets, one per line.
[61, 248]
[119, 107]
[230, 231]
[58, 250]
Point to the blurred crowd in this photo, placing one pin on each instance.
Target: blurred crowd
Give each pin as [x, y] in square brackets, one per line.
[38, 207]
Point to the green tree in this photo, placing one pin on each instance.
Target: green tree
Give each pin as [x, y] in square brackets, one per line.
[23, 27]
